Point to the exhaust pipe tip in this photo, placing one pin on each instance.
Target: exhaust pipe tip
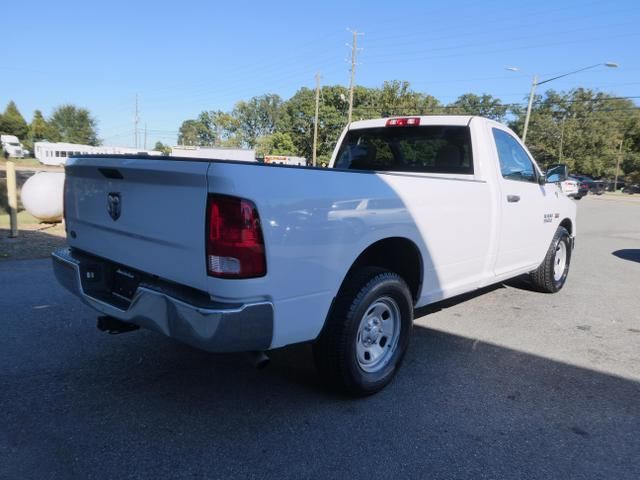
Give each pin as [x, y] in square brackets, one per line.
[113, 326]
[259, 359]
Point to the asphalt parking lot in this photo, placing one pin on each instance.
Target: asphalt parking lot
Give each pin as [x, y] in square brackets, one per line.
[505, 384]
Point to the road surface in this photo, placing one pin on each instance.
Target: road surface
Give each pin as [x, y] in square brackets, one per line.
[505, 384]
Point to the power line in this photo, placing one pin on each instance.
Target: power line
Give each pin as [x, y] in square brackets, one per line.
[507, 24]
[553, 35]
[504, 21]
[522, 47]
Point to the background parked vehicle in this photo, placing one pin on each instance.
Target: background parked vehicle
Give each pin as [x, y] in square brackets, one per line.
[560, 174]
[597, 187]
[570, 187]
[593, 186]
[631, 189]
[583, 188]
[12, 146]
[612, 185]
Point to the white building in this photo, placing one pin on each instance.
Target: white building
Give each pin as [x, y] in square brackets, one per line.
[50, 153]
[214, 153]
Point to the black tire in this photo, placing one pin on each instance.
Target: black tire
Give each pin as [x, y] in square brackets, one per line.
[335, 350]
[577, 197]
[544, 279]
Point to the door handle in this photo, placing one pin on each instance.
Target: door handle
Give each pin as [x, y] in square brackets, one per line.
[513, 198]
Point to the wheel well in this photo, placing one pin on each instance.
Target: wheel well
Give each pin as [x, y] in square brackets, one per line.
[566, 223]
[396, 254]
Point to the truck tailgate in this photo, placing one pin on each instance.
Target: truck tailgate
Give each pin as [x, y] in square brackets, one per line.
[143, 213]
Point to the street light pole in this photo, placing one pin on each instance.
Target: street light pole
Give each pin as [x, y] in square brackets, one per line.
[535, 83]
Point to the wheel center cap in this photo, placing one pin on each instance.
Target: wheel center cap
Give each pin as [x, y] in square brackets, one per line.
[373, 331]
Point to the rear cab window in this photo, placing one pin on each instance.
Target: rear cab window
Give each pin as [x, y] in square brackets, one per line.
[428, 149]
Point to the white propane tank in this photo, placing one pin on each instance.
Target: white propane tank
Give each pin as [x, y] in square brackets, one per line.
[42, 196]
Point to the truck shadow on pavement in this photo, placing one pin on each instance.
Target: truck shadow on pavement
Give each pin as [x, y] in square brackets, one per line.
[133, 405]
[631, 254]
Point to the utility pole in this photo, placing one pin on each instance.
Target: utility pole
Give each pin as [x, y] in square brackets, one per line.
[315, 122]
[354, 52]
[615, 184]
[12, 199]
[561, 140]
[136, 119]
[145, 136]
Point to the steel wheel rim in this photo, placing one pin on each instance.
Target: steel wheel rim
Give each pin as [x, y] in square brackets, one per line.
[559, 261]
[378, 335]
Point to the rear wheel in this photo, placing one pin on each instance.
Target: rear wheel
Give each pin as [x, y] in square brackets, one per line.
[552, 273]
[367, 333]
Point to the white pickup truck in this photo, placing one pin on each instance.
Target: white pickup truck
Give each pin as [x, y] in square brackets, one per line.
[235, 256]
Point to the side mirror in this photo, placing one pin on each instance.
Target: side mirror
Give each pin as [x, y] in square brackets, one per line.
[557, 173]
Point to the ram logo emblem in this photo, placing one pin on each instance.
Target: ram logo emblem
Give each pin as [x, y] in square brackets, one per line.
[114, 205]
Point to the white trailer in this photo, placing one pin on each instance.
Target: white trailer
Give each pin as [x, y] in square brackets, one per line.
[56, 153]
[214, 153]
[285, 160]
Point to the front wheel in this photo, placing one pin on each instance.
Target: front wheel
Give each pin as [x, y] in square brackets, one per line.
[367, 333]
[552, 273]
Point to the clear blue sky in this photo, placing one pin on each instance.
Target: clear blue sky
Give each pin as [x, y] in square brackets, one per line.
[188, 56]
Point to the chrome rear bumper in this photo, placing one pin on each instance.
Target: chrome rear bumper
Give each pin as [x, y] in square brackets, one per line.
[177, 312]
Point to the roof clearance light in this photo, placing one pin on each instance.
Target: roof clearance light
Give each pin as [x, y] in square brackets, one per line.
[403, 122]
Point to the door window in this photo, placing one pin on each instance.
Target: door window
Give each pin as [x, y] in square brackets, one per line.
[515, 163]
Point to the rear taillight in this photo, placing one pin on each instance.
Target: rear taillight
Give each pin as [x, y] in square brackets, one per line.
[403, 122]
[235, 246]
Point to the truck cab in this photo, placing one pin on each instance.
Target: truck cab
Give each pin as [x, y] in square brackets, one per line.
[504, 209]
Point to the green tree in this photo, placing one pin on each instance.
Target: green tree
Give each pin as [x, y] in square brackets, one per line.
[161, 147]
[188, 133]
[297, 121]
[13, 123]
[257, 117]
[482, 105]
[39, 129]
[74, 125]
[209, 129]
[278, 143]
[397, 98]
[588, 124]
[225, 126]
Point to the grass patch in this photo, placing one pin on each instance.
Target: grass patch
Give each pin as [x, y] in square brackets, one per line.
[22, 162]
[24, 218]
